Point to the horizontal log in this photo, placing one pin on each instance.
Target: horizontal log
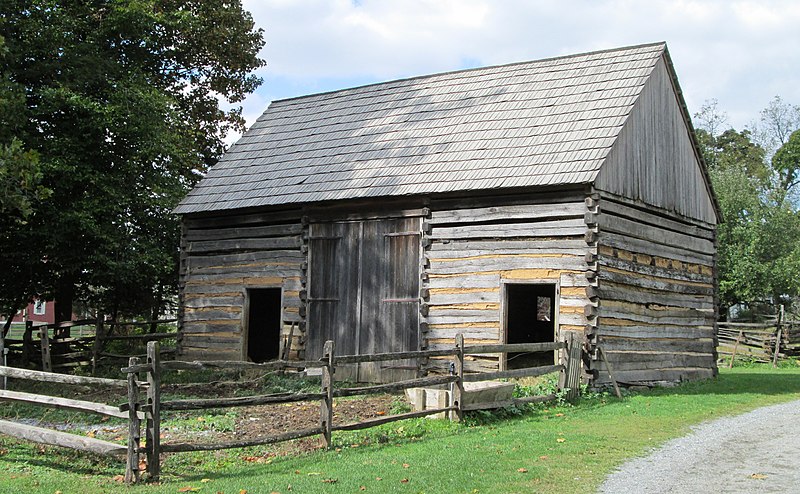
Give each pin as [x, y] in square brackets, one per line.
[648, 217]
[380, 357]
[60, 378]
[244, 232]
[657, 375]
[278, 438]
[63, 439]
[653, 283]
[618, 241]
[605, 196]
[239, 365]
[515, 347]
[626, 293]
[505, 263]
[243, 244]
[646, 269]
[557, 228]
[655, 234]
[241, 401]
[645, 331]
[63, 403]
[366, 424]
[142, 337]
[611, 344]
[513, 374]
[396, 386]
[507, 403]
[508, 246]
[514, 212]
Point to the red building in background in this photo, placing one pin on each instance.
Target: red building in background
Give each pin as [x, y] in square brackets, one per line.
[38, 311]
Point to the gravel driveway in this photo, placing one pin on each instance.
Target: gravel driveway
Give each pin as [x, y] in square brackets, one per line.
[755, 452]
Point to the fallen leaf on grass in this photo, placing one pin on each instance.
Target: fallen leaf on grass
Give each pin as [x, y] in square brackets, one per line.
[362, 488]
[380, 413]
[544, 457]
[406, 465]
[559, 415]
[330, 481]
[242, 491]
[205, 481]
[522, 470]
[378, 478]
[91, 433]
[314, 473]
[404, 481]
[758, 476]
[118, 478]
[188, 488]
[560, 440]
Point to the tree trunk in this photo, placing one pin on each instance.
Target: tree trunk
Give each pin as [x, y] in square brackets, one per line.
[64, 297]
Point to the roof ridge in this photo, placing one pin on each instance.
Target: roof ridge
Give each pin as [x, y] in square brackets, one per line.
[476, 69]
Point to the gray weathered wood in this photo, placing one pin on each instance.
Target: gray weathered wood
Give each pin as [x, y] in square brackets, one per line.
[396, 386]
[514, 212]
[153, 413]
[555, 228]
[186, 447]
[380, 357]
[134, 427]
[244, 232]
[63, 403]
[44, 341]
[651, 216]
[512, 374]
[58, 438]
[390, 418]
[515, 347]
[239, 401]
[60, 378]
[326, 408]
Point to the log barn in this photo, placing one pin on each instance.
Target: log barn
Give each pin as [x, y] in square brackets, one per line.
[513, 203]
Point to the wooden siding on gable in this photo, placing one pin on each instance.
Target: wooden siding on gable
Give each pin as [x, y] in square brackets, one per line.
[654, 160]
[472, 251]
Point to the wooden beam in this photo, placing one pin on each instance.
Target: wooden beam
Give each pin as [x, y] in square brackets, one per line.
[63, 403]
[58, 438]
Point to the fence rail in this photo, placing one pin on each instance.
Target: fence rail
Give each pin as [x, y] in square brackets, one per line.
[153, 406]
[58, 348]
[144, 404]
[760, 342]
[52, 437]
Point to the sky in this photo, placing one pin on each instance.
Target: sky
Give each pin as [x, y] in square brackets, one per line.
[741, 53]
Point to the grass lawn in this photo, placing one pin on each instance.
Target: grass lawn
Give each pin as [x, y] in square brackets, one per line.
[556, 449]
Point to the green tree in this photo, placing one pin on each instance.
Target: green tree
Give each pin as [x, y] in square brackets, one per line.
[759, 240]
[121, 104]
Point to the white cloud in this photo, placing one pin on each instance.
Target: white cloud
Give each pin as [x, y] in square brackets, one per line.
[742, 53]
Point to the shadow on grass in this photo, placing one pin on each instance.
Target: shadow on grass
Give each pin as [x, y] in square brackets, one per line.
[740, 381]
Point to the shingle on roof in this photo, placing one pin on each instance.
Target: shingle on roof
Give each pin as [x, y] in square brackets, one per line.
[546, 122]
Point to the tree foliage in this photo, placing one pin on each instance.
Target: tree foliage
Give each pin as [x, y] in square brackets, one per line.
[759, 240]
[120, 101]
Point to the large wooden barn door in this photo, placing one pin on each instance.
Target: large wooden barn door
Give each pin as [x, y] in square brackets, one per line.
[364, 292]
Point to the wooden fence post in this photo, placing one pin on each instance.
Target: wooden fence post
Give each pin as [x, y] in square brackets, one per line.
[153, 428]
[44, 337]
[458, 388]
[735, 347]
[27, 344]
[779, 335]
[326, 410]
[573, 369]
[134, 426]
[99, 329]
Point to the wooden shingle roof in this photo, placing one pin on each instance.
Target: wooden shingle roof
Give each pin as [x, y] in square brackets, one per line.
[542, 123]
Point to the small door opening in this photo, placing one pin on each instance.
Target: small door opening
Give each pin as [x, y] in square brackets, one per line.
[263, 324]
[530, 318]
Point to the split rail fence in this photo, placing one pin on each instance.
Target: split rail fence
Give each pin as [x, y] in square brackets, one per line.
[758, 342]
[50, 347]
[144, 404]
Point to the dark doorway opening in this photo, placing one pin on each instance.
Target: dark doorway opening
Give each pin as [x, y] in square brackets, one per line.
[263, 324]
[530, 318]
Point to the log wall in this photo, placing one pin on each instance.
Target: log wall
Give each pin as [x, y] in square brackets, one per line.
[221, 258]
[655, 294]
[471, 250]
